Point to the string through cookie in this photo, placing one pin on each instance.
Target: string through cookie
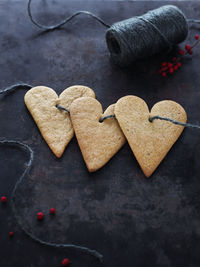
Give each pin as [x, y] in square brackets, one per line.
[107, 117]
[62, 108]
[151, 119]
[27, 87]
[101, 119]
[30, 152]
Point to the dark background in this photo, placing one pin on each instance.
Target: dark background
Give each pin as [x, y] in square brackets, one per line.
[131, 220]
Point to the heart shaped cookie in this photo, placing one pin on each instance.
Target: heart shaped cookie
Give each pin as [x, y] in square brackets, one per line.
[149, 141]
[53, 123]
[98, 141]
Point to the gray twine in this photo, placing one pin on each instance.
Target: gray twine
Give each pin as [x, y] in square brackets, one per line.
[143, 36]
[140, 36]
[56, 26]
[30, 152]
[151, 119]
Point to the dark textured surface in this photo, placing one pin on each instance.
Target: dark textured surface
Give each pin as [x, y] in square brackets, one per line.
[131, 220]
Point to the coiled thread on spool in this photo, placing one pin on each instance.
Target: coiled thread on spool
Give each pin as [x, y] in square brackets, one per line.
[143, 36]
[138, 37]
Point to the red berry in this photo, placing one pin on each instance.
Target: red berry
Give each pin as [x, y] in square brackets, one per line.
[11, 234]
[3, 199]
[164, 68]
[178, 64]
[197, 37]
[174, 58]
[190, 52]
[171, 70]
[170, 64]
[65, 262]
[181, 52]
[188, 47]
[40, 216]
[164, 74]
[52, 211]
[164, 64]
[175, 67]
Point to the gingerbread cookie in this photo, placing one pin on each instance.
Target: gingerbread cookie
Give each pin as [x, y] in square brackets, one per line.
[149, 141]
[54, 124]
[98, 141]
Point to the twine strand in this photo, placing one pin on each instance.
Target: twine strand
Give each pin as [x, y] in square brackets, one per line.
[66, 20]
[107, 117]
[151, 119]
[193, 21]
[168, 43]
[30, 152]
[15, 87]
[101, 119]
[138, 37]
[62, 108]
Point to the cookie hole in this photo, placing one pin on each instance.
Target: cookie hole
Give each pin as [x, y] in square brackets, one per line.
[106, 117]
[150, 119]
[62, 108]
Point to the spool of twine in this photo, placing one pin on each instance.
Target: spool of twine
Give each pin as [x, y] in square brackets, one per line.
[143, 36]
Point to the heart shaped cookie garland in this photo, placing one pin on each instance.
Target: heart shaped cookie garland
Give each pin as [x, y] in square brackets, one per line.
[101, 135]
[100, 138]
[149, 134]
[150, 141]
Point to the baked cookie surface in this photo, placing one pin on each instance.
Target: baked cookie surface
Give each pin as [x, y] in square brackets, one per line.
[149, 141]
[54, 124]
[98, 141]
